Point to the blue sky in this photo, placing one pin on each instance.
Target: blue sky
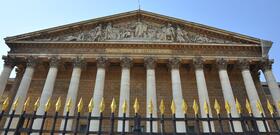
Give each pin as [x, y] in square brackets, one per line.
[257, 18]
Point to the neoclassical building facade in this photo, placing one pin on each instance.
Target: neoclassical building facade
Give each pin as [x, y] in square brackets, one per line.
[141, 55]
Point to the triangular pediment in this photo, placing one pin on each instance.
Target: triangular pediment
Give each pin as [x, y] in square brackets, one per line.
[135, 26]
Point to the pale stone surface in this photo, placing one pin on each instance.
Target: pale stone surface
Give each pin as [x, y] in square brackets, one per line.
[124, 96]
[4, 78]
[72, 94]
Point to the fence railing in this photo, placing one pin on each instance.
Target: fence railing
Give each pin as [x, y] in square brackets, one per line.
[167, 124]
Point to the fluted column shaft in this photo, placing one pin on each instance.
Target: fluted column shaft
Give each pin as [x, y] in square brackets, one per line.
[8, 67]
[98, 91]
[151, 92]
[47, 90]
[272, 83]
[251, 91]
[202, 92]
[227, 92]
[174, 64]
[126, 64]
[23, 89]
[73, 91]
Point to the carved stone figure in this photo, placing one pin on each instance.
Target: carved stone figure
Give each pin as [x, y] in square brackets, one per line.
[109, 31]
[180, 35]
[96, 33]
[169, 32]
[140, 29]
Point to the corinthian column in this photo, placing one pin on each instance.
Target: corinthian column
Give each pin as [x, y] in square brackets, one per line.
[251, 90]
[126, 64]
[174, 64]
[101, 63]
[47, 90]
[8, 67]
[73, 90]
[23, 88]
[151, 91]
[271, 81]
[202, 92]
[227, 91]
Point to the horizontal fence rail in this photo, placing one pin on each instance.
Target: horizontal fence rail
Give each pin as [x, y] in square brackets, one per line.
[167, 124]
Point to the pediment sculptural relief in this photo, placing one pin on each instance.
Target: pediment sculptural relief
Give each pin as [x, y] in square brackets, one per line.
[137, 31]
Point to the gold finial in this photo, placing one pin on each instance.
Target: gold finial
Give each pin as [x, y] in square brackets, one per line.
[270, 107]
[228, 107]
[195, 107]
[15, 104]
[80, 105]
[136, 106]
[113, 106]
[102, 105]
[248, 107]
[26, 104]
[124, 106]
[48, 105]
[206, 107]
[173, 107]
[150, 107]
[238, 106]
[184, 106]
[259, 106]
[58, 104]
[69, 105]
[162, 107]
[5, 104]
[90, 105]
[36, 104]
[217, 107]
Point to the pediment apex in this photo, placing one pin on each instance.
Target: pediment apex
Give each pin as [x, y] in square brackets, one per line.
[138, 25]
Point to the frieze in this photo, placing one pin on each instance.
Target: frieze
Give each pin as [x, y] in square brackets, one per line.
[136, 30]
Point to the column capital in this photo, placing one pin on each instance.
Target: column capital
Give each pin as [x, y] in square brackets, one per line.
[102, 62]
[126, 62]
[31, 61]
[9, 61]
[54, 61]
[174, 63]
[78, 62]
[198, 62]
[266, 64]
[244, 64]
[150, 62]
[221, 63]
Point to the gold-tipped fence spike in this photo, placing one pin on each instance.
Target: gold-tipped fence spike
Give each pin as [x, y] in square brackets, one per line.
[206, 107]
[270, 107]
[48, 105]
[80, 105]
[173, 107]
[26, 104]
[124, 106]
[58, 104]
[102, 105]
[227, 107]
[184, 106]
[90, 105]
[151, 106]
[278, 104]
[217, 107]
[113, 106]
[259, 106]
[69, 105]
[5, 104]
[248, 107]
[15, 104]
[161, 107]
[36, 104]
[238, 106]
[136, 106]
[195, 107]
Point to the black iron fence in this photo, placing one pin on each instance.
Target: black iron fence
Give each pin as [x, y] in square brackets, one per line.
[167, 124]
